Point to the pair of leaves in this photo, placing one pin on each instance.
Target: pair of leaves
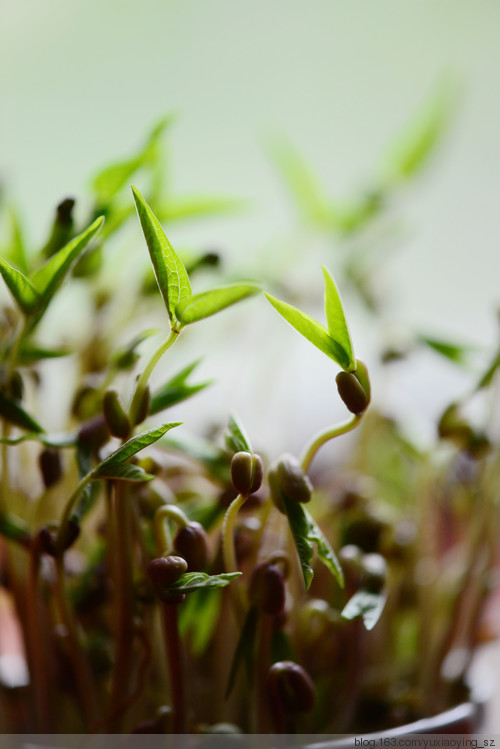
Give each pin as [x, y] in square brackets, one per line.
[176, 390]
[108, 183]
[191, 581]
[334, 342]
[306, 533]
[365, 605]
[237, 439]
[34, 293]
[183, 307]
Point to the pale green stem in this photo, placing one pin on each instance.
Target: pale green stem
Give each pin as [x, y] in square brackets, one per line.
[325, 436]
[163, 537]
[228, 550]
[70, 505]
[143, 379]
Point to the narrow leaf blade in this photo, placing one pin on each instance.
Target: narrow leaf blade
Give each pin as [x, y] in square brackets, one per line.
[368, 606]
[199, 306]
[135, 444]
[178, 209]
[236, 437]
[325, 552]
[50, 276]
[171, 275]
[122, 472]
[312, 330]
[191, 581]
[12, 412]
[335, 317]
[176, 390]
[245, 649]
[21, 288]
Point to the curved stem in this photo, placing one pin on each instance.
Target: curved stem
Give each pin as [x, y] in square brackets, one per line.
[163, 537]
[146, 374]
[325, 436]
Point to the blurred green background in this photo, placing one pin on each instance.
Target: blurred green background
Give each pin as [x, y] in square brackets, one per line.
[82, 81]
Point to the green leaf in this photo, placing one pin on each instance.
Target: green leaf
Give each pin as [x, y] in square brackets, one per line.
[237, 439]
[314, 332]
[176, 390]
[177, 209]
[190, 581]
[50, 276]
[368, 606]
[455, 352]
[134, 445]
[113, 178]
[215, 460]
[49, 440]
[488, 376]
[305, 532]
[170, 273]
[126, 356]
[30, 353]
[122, 472]
[335, 317]
[90, 492]
[245, 649]
[11, 411]
[25, 294]
[198, 618]
[199, 306]
[303, 184]
[17, 246]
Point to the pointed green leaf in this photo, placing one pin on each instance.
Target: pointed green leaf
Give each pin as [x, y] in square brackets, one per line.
[113, 178]
[11, 411]
[126, 356]
[26, 296]
[335, 318]
[314, 332]
[170, 273]
[14, 528]
[368, 606]
[122, 472]
[17, 246]
[199, 306]
[134, 445]
[190, 581]
[31, 353]
[488, 376]
[305, 532]
[50, 276]
[176, 390]
[245, 649]
[198, 618]
[236, 436]
[455, 352]
[215, 460]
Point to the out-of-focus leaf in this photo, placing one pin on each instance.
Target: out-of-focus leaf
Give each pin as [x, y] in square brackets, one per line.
[176, 390]
[107, 183]
[31, 353]
[13, 528]
[455, 352]
[216, 460]
[11, 411]
[17, 245]
[245, 649]
[305, 533]
[335, 317]
[122, 472]
[237, 439]
[49, 440]
[22, 289]
[487, 377]
[170, 273]
[177, 209]
[314, 332]
[191, 581]
[368, 606]
[303, 184]
[126, 356]
[198, 306]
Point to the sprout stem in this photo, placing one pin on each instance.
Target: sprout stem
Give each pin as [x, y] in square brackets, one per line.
[146, 374]
[163, 537]
[325, 436]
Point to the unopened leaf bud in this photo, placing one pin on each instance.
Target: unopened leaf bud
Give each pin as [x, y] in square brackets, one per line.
[246, 472]
[352, 392]
[94, 432]
[191, 543]
[287, 479]
[291, 687]
[116, 419]
[453, 426]
[50, 464]
[165, 571]
[361, 374]
[267, 588]
[374, 572]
